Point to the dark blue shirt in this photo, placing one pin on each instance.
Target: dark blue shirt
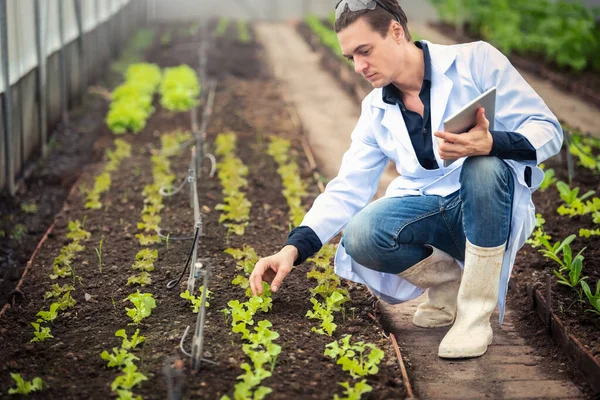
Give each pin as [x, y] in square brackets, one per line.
[506, 145]
[419, 128]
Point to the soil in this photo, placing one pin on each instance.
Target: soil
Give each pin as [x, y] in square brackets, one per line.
[585, 84]
[248, 102]
[73, 146]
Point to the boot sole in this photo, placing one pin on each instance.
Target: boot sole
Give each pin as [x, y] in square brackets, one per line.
[428, 323]
[429, 326]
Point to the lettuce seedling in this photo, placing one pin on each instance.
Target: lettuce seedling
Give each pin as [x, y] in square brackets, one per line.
[586, 233]
[253, 378]
[136, 339]
[147, 240]
[196, 300]
[354, 393]
[57, 291]
[144, 304]
[40, 334]
[549, 179]
[25, 387]
[147, 255]
[127, 395]
[76, 232]
[48, 316]
[353, 357]
[333, 303]
[118, 358]
[66, 302]
[129, 379]
[142, 279]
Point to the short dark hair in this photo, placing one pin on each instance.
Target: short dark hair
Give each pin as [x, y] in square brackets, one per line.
[379, 18]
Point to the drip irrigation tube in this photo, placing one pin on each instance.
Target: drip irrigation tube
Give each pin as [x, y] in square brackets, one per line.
[175, 282]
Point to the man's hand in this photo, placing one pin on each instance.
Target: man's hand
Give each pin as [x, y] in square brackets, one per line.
[273, 269]
[477, 142]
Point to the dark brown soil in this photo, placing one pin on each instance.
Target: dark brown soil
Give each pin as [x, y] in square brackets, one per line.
[72, 147]
[585, 84]
[70, 364]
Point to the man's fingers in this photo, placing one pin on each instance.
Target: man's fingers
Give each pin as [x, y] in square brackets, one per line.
[449, 137]
[481, 119]
[256, 277]
[281, 274]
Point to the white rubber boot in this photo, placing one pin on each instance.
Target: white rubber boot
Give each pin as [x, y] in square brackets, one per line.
[477, 299]
[441, 275]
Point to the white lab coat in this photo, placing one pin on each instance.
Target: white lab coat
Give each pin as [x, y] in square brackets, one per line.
[459, 74]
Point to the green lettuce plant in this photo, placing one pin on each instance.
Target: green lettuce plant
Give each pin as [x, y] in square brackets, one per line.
[57, 291]
[135, 341]
[118, 358]
[354, 393]
[179, 88]
[143, 303]
[40, 333]
[50, 315]
[196, 300]
[25, 387]
[359, 359]
[142, 279]
[130, 378]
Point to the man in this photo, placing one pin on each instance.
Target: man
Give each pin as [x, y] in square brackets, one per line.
[475, 213]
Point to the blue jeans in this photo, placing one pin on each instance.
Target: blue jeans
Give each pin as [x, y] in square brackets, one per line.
[390, 235]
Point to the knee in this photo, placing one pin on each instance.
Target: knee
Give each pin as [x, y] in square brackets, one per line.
[483, 171]
[363, 239]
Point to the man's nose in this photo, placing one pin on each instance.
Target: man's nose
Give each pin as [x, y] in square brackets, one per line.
[359, 65]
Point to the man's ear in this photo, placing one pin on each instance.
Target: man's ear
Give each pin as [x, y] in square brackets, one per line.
[397, 31]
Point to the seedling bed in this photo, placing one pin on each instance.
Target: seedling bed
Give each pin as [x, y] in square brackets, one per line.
[70, 364]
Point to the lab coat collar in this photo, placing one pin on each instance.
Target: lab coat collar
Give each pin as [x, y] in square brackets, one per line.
[442, 58]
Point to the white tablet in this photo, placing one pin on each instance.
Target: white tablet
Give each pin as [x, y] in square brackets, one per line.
[466, 118]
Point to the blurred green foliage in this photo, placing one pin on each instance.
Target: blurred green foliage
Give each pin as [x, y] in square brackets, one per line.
[565, 32]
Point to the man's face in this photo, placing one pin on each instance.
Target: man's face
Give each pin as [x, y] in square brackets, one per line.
[377, 59]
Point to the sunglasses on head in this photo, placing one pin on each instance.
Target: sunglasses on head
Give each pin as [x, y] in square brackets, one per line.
[358, 5]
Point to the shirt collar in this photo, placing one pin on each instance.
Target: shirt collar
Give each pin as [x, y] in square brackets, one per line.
[391, 94]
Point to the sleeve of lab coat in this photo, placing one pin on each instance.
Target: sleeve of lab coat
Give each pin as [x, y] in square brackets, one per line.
[518, 107]
[355, 185]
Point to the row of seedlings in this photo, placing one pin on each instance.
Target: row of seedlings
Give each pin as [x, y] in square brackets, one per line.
[232, 172]
[359, 359]
[294, 189]
[259, 345]
[102, 182]
[569, 271]
[130, 108]
[63, 267]
[131, 102]
[143, 303]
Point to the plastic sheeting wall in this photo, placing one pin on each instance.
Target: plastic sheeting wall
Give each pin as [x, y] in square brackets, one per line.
[246, 9]
[21, 29]
[106, 25]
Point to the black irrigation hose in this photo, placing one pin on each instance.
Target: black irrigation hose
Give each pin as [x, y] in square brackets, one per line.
[174, 238]
[175, 282]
